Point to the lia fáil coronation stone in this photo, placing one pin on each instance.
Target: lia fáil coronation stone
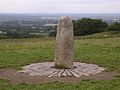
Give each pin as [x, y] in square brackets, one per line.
[64, 52]
[63, 65]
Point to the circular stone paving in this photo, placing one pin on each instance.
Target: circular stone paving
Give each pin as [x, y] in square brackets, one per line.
[46, 69]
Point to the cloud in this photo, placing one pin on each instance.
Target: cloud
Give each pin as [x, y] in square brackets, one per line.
[60, 6]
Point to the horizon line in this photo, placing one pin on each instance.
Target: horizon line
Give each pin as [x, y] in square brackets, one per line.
[59, 13]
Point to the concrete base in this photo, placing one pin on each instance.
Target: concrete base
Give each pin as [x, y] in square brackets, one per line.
[47, 69]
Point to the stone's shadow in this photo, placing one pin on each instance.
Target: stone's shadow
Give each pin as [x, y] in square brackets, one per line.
[62, 67]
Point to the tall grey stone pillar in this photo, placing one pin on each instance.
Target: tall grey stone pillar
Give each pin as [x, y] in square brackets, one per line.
[64, 52]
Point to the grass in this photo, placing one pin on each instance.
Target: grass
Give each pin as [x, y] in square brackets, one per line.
[15, 53]
[83, 85]
[105, 52]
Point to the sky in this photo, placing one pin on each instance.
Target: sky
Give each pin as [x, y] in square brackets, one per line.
[59, 6]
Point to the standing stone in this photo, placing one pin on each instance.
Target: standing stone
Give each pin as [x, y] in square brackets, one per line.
[64, 52]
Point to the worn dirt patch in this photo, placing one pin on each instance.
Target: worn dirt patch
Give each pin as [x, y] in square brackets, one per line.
[15, 78]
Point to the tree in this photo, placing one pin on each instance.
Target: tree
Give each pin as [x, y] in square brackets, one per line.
[114, 27]
[15, 34]
[86, 26]
[52, 33]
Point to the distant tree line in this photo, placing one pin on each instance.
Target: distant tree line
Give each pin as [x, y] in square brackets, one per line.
[17, 34]
[84, 26]
[114, 27]
[87, 26]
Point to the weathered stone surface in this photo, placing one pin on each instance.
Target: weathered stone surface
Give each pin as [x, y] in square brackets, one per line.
[64, 53]
[46, 69]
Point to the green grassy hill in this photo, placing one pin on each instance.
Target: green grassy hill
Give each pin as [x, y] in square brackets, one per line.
[102, 49]
[102, 35]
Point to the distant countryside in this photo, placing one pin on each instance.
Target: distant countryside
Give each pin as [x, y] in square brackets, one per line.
[29, 26]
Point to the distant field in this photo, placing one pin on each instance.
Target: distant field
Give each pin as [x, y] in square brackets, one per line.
[40, 34]
[105, 52]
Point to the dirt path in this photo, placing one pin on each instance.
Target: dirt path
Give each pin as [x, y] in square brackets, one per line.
[14, 77]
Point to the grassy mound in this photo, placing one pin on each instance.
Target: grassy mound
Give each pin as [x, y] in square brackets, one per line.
[91, 49]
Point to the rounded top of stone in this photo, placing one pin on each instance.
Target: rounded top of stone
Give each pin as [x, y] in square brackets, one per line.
[64, 17]
[65, 22]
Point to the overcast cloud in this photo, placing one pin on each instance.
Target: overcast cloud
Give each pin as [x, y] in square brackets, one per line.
[59, 6]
